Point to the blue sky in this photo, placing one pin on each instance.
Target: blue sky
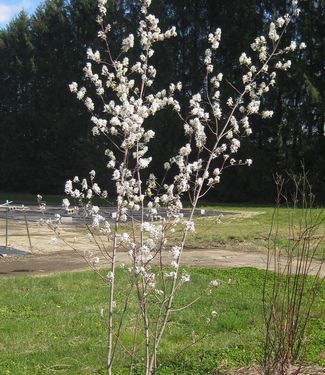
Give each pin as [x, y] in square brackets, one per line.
[10, 8]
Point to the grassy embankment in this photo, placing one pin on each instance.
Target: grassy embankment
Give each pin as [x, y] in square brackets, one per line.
[248, 226]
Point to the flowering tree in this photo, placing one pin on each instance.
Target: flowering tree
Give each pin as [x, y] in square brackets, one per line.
[125, 99]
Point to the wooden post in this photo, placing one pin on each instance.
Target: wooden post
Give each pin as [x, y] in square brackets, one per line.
[7, 228]
[28, 234]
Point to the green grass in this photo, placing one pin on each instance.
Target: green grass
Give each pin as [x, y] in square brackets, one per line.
[245, 226]
[248, 224]
[53, 325]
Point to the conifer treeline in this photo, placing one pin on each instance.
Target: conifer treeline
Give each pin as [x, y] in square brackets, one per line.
[45, 133]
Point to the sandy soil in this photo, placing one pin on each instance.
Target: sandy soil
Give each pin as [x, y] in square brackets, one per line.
[50, 256]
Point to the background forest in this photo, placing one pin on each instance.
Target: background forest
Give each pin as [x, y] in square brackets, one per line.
[45, 134]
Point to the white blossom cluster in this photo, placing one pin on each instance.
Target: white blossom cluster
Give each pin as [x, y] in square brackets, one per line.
[121, 120]
[215, 124]
[213, 127]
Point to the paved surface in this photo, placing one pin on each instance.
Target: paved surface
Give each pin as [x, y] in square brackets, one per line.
[33, 214]
[8, 251]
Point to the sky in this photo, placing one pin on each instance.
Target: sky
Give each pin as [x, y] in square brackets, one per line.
[10, 8]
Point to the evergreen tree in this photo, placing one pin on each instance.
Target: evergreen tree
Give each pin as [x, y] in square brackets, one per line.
[45, 136]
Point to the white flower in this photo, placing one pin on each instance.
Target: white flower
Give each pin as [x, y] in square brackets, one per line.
[81, 93]
[111, 164]
[128, 43]
[149, 135]
[230, 102]
[89, 194]
[110, 276]
[96, 189]
[280, 22]
[143, 163]
[172, 88]
[76, 193]
[73, 87]
[189, 226]
[272, 32]
[235, 144]
[89, 104]
[84, 184]
[185, 151]
[286, 65]
[267, 114]
[293, 45]
[68, 187]
[167, 166]
[244, 59]
[185, 278]
[253, 106]
[65, 203]
[214, 283]
[95, 56]
[278, 65]
[96, 221]
[214, 39]
[216, 172]
[296, 12]
[210, 68]
[175, 251]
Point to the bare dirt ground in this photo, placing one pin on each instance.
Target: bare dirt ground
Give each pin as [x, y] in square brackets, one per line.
[50, 256]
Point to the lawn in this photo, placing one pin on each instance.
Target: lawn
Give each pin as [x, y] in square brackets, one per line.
[249, 225]
[56, 325]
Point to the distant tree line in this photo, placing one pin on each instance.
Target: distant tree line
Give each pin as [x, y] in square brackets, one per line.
[45, 135]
